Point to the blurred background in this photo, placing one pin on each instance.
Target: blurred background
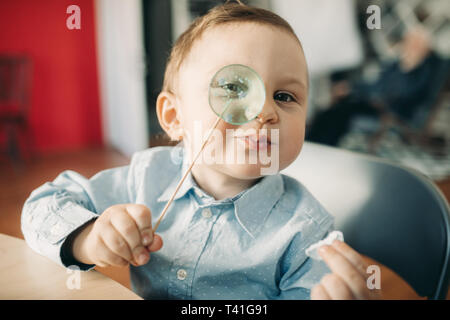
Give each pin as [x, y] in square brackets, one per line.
[84, 99]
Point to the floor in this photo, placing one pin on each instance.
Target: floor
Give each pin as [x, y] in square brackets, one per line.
[16, 184]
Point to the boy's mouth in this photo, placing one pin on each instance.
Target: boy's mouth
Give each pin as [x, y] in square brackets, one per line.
[255, 142]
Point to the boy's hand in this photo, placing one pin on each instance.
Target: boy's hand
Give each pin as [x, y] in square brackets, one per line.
[122, 234]
[348, 279]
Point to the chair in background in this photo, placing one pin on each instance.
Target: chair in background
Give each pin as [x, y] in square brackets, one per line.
[15, 92]
[390, 213]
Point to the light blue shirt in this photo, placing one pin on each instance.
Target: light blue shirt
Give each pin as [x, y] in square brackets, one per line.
[250, 246]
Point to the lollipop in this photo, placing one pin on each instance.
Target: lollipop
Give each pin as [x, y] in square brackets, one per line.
[237, 96]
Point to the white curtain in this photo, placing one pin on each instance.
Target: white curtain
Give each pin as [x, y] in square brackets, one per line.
[122, 74]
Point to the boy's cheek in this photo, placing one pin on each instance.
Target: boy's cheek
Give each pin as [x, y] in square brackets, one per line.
[287, 156]
[290, 148]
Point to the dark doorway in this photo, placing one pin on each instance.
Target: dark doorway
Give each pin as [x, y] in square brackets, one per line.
[157, 42]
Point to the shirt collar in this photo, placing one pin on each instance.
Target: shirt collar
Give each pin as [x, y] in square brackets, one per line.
[254, 204]
[188, 183]
[251, 206]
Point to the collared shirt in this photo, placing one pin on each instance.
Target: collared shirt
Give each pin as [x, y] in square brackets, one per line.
[250, 246]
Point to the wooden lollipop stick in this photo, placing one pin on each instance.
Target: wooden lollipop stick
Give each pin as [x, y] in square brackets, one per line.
[185, 175]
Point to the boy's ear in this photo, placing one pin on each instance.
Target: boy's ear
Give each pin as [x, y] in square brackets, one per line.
[168, 115]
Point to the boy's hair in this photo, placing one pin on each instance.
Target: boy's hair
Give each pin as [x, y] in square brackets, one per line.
[227, 13]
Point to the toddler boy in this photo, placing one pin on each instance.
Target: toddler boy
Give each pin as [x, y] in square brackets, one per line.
[231, 232]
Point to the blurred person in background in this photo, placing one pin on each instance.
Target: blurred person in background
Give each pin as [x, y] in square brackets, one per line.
[399, 90]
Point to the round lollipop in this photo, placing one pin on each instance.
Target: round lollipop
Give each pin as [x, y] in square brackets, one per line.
[237, 94]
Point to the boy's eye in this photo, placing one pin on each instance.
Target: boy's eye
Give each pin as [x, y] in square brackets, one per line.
[231, 87]
[234, 90]
[284, 97]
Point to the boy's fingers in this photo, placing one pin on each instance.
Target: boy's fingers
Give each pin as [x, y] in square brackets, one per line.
[318, 292]
[353, 256]
[143, 219]
[128, 229]
[101, 264]
[114, 242]
[345, 270]
[337, 288]
[141, 255]
[156, 244]
[113, 259]
[141, 215]
[147, 236]
[107, 257]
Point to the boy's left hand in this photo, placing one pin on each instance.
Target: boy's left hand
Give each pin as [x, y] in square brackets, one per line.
[348, 279]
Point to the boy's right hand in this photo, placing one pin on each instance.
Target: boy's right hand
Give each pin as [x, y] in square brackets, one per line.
[122, 234]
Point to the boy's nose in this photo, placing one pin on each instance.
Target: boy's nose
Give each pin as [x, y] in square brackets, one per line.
[268, 114]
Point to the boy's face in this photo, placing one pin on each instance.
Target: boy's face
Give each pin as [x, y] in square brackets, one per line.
[278, 59]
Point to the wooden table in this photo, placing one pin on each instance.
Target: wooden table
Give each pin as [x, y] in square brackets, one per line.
[24, 274]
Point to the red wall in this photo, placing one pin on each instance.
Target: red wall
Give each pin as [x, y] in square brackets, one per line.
[65, 110]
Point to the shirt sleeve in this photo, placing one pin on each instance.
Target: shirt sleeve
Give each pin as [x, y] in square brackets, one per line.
[301, 273]
[57, 209]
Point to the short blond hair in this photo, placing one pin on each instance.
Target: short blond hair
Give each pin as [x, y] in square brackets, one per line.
[223, 14]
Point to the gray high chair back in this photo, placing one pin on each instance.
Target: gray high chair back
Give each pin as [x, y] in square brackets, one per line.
[387, 212]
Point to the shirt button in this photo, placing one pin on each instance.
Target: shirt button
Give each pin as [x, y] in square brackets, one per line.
[206, 213]
[181, 274]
